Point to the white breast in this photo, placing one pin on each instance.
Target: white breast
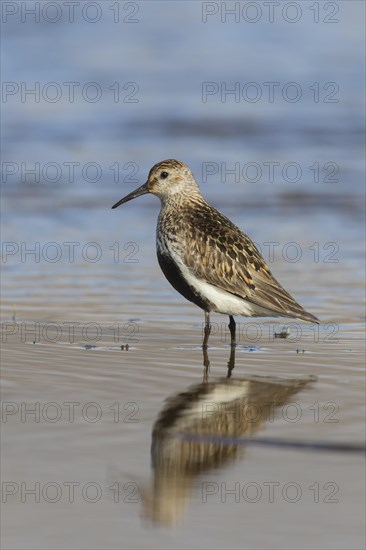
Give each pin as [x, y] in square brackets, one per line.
[223, 301]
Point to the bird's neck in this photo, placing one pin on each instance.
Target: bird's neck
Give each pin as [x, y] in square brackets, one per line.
[176, 215]
[181, 201]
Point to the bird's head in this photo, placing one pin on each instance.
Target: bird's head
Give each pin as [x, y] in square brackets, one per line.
[167, 180]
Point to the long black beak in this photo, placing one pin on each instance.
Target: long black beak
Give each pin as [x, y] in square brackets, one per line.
[137, 193]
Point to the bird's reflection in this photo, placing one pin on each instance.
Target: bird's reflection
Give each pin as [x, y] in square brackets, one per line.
[227, 408]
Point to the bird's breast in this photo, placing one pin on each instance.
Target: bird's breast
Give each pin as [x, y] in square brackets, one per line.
[168, 244]
[169, 236]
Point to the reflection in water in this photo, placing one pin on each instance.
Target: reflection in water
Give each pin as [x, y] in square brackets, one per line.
[227, 408]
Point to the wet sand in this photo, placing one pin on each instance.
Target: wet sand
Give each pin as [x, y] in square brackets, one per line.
[104, 440]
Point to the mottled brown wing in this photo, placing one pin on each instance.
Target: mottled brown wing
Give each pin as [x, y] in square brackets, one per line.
[220, 254]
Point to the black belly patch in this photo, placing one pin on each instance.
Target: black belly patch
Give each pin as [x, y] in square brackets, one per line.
[176, 279]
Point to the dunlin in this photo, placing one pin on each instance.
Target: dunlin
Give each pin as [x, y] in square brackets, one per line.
[206, 258]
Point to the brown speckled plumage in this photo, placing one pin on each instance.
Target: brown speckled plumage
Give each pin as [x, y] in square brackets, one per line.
[197, 245]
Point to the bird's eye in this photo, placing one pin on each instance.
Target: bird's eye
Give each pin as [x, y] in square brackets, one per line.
[164, 175]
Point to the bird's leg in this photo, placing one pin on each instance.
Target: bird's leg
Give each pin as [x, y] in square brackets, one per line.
[206, 365]
[207, 330]
[231, 363]
[232, 327]
[206, 362]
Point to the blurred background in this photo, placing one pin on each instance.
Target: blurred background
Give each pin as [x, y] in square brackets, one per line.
[120, 86]
[265, 103]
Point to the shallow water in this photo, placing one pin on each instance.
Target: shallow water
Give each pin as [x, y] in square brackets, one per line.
[104, 439]
[69, 308]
